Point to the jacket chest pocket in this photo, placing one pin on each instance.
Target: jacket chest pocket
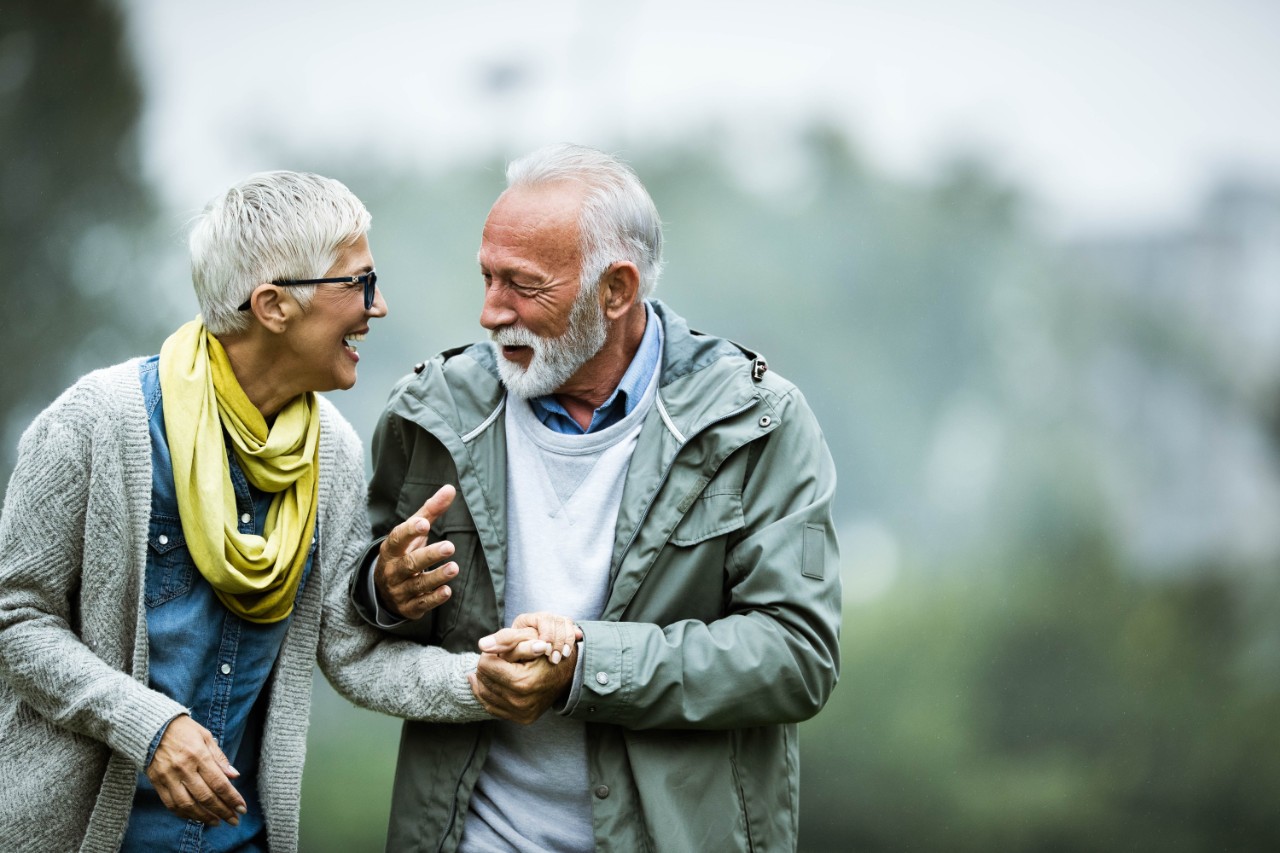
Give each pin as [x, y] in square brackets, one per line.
[691, 577]
[716, 511]
[169, 566]
[709, 516]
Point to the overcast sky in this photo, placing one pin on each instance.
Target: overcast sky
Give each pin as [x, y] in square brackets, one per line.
[1113, 112]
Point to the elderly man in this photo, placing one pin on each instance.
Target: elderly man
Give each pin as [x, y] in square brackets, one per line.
[662, 488]
[175, 548]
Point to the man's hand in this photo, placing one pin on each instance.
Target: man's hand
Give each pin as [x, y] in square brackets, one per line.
[518, 677]
[400, 575]
[519, 692]
[193, 777]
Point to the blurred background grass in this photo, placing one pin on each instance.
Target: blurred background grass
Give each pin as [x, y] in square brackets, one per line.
[1057, 443]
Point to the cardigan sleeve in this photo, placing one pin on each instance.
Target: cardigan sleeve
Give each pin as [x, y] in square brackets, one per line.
[370, 667]
[47, 656]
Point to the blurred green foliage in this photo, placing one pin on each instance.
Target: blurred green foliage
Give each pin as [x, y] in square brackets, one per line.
[74, 213]
[1069, 710]
[1015, 677]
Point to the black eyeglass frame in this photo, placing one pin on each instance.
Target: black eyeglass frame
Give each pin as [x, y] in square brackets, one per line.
[368, 279]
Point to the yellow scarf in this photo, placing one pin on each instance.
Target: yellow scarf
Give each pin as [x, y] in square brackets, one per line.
[256, 577]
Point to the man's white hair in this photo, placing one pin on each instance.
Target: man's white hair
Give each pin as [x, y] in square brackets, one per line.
[618, 221]
[272, 225]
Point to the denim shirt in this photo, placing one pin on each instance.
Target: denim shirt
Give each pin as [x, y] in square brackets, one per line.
[623, 399]
[201, 654]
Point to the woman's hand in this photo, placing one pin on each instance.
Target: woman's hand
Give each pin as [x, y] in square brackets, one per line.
[534, 635]
[193, 777]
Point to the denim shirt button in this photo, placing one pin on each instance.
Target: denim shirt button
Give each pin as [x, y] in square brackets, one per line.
[164, 540]
[226, 669]
[245, 518]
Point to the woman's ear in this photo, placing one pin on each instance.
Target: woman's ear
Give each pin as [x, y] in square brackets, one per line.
[270, 307]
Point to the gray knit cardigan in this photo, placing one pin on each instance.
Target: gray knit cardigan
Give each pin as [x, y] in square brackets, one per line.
[76, 714]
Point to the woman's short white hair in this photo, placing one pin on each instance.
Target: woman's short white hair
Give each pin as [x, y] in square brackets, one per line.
[618, 221]
[272, 225]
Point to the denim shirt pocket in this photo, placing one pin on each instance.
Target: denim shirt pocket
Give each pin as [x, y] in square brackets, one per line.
[170, 568]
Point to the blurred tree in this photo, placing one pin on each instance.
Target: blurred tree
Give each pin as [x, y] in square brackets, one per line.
[1052, 708]
[73, 207]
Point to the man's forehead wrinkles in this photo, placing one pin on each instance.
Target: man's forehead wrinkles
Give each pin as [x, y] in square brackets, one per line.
[511, 267]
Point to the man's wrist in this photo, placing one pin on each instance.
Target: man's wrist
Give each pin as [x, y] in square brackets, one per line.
[383, 615]
[574, 692]
[366, 590]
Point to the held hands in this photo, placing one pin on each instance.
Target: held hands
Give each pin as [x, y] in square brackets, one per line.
[193, 776]
[519, 675]
[400, 573]
[532, 635]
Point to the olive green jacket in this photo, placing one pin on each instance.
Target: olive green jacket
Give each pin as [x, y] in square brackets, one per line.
[721, 628]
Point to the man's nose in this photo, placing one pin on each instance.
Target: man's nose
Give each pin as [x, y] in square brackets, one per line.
[497, 311]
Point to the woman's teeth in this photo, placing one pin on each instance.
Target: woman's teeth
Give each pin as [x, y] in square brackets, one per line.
[350, 341]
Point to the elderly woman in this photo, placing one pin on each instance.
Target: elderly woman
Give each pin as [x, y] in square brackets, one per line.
[175, 551]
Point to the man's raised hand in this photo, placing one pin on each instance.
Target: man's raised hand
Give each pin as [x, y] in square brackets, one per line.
[401, 573]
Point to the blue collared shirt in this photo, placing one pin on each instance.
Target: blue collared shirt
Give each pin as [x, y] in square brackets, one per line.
[623, 399]
[201, 654]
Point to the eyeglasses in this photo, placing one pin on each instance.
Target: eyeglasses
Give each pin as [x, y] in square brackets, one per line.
[369, 280]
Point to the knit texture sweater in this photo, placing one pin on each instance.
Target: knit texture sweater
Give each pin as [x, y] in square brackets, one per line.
[76, 714]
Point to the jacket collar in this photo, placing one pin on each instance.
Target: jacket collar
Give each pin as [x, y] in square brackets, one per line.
[703, 379]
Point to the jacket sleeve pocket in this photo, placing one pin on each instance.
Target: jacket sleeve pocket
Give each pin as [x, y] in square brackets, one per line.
[813, 558]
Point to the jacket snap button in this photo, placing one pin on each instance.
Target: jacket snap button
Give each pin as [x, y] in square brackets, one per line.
[244, 518]
[602, 678]
[226, 669]
[765, 421]
[164, 540]
[602, 791]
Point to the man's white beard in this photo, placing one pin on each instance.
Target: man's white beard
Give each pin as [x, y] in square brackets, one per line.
[554, 359]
